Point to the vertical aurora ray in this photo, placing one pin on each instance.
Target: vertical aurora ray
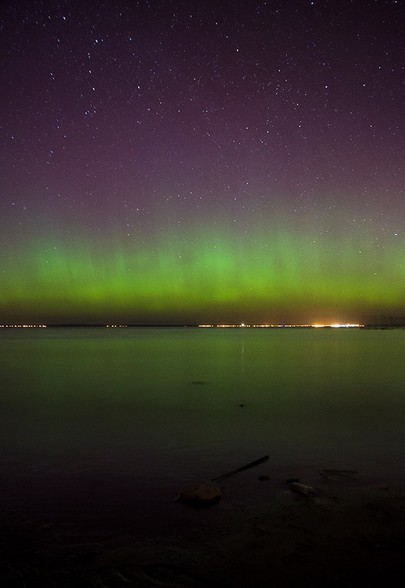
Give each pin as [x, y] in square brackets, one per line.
[274, 276]
[203, 163]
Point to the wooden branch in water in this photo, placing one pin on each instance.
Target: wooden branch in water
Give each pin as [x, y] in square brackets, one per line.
[252, 464]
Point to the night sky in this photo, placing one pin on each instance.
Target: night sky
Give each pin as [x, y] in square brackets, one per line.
[186, 162]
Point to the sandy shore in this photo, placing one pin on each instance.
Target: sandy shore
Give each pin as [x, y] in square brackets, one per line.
[350, 532]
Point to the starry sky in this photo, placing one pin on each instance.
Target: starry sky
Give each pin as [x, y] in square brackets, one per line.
[169, 161]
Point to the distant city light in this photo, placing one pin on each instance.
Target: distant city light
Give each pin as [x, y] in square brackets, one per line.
[213, 326]
[282, 326]
[23, 326]
[339, 326]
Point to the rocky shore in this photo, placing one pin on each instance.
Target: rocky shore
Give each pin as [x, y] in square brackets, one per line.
[348, 531]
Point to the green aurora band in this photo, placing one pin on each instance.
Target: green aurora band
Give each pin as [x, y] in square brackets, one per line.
[194, 278]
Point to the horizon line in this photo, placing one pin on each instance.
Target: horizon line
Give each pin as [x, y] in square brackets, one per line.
[20, 325]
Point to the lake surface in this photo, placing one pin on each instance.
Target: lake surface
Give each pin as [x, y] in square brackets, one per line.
[160, 408]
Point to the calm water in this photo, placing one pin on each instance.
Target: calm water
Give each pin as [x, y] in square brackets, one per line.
[162, 406]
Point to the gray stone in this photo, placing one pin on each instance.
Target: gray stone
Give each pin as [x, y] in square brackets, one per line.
[203, 494]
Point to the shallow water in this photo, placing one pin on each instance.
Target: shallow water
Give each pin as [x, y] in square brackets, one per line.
[161, 407]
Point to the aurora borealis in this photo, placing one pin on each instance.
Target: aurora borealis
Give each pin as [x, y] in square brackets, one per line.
[182, 162]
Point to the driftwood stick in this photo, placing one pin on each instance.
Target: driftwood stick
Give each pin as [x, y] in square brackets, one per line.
[252, 464]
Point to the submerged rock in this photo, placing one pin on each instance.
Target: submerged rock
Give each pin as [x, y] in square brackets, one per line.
[203, 494]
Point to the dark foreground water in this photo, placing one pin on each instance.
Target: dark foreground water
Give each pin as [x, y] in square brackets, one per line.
[131, 416]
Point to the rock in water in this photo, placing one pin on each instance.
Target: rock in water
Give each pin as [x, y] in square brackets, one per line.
[200, 495]
[301, 488]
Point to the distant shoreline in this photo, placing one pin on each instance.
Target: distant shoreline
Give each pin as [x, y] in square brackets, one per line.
[171, 326]
[197, 326]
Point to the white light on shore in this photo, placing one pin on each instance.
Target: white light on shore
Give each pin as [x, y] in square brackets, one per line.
[338, 325]
[23, 326]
